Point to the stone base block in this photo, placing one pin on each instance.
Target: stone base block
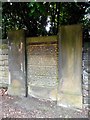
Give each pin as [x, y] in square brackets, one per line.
[68, 100]
[49, 93]
[16, 88]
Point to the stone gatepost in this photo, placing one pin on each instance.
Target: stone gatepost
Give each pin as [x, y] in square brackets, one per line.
[70, 60]
[16, 57]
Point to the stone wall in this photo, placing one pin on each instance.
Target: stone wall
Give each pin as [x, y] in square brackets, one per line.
[4, 69]
[42, 68]
[86, 73]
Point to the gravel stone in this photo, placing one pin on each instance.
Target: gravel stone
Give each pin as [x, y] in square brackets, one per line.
[21, 107]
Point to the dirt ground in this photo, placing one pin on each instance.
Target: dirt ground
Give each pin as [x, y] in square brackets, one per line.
[22, 107]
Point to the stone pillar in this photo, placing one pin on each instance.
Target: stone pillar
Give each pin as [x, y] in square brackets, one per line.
[16, 58]
[70, 60]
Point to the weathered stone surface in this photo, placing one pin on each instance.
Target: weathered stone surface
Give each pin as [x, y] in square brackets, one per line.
[42, 69]
[3, 46]
[89, 93]
[3, 68]
[70, 91]
[16, 88]
[85, 92]
[49, 93]
[42, 60]
[5, 51]
[85, 87]
[42, 81]
[86, 78]
[70, 100]
[86, 100]
[4, 57]
[45, 39]
[4, 65]
[40, 49]
[16, 62]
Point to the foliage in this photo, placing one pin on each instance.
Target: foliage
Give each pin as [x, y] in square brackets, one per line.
[35, 16]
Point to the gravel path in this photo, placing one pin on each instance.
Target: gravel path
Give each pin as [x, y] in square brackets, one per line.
[21, 107]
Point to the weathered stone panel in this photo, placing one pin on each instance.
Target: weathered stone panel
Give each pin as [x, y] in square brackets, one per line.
[17, 62]
[42, 67]
[70, 59]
